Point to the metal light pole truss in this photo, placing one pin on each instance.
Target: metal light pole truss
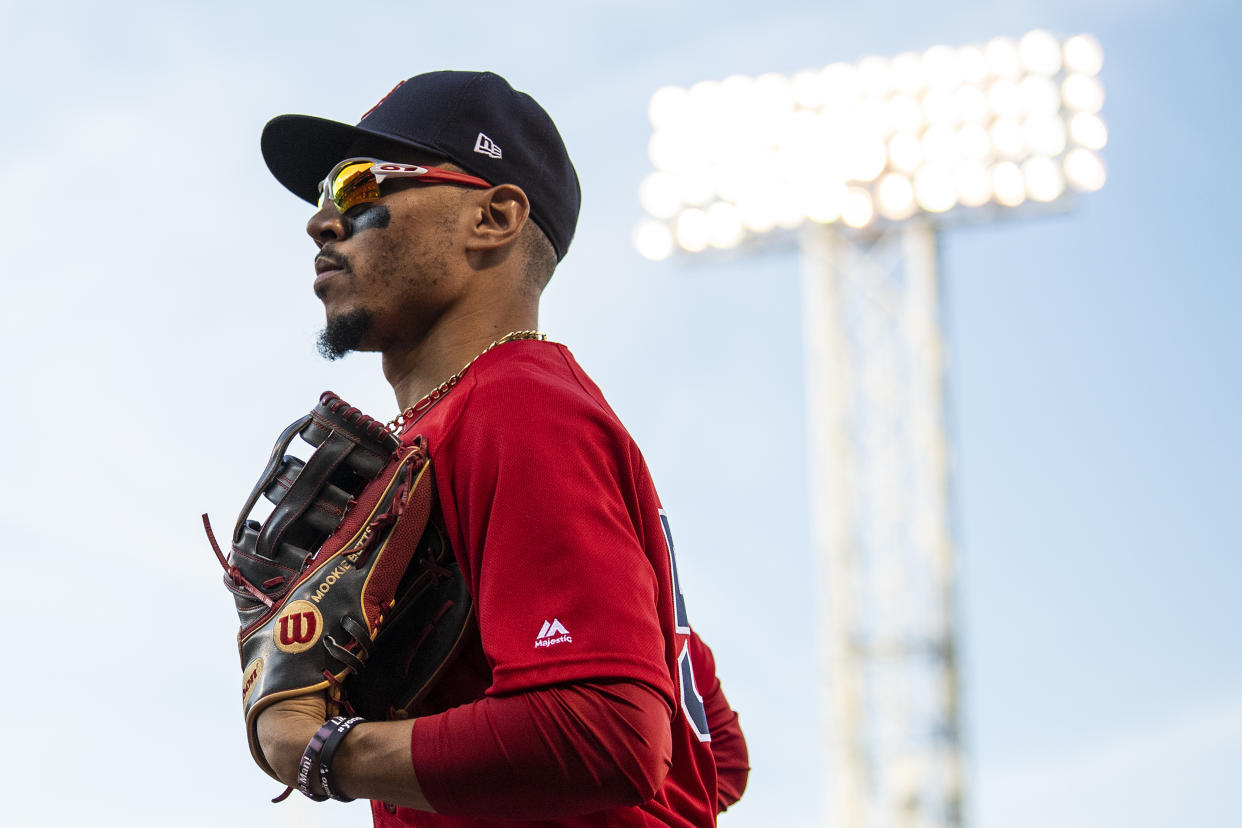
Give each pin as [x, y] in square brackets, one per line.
[875, 380]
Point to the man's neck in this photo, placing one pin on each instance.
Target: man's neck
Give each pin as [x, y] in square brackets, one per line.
[413, 372]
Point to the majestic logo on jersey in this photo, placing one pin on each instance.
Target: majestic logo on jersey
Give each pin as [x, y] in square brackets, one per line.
[486, 146]
[298, 627]
[553, 632]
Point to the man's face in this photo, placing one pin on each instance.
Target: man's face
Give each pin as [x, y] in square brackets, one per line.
[383, 270]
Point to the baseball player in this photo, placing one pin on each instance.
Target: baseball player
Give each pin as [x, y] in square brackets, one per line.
[580, 695]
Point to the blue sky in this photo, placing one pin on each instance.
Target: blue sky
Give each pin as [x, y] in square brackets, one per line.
[160, 331]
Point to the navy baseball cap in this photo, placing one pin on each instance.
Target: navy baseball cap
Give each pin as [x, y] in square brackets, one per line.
[474, 119]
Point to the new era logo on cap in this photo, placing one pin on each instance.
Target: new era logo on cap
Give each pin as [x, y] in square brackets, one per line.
[486, 146]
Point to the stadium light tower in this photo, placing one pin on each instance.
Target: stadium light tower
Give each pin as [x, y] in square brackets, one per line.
[864, 164]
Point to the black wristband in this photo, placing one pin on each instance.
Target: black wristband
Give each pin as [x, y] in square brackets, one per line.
[328, 751]
[310, 757]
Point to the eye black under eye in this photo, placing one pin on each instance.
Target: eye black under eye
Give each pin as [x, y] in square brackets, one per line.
[369, 216]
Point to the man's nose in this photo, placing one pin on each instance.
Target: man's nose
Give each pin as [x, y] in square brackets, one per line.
[327, 225]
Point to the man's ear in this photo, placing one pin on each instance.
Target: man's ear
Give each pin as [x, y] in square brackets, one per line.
[503, 212]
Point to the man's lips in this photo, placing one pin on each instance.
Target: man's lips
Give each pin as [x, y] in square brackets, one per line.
[327, 264]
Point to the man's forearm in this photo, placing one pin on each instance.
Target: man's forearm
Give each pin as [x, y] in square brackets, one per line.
[372, 763]
[559, 751]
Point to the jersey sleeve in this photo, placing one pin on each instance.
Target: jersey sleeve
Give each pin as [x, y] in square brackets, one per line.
[553, 517]
[543, 495]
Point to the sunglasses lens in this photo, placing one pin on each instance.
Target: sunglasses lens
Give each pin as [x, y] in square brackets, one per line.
[353, 184]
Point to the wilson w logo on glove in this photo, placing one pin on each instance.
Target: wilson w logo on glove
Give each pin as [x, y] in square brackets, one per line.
[349, 551]
[288, 638]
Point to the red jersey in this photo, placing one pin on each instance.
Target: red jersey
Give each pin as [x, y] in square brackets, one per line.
[568, 555]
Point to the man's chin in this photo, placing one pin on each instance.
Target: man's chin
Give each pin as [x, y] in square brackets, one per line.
[344, 333]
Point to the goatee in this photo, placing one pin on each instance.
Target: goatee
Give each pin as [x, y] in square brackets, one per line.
[343, 334]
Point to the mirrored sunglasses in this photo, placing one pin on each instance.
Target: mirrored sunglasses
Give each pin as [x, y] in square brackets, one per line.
[356, 181]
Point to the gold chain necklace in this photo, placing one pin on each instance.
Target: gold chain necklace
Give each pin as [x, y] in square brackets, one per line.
[412, 414]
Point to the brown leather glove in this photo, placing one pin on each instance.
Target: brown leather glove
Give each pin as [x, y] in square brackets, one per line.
[348, 577]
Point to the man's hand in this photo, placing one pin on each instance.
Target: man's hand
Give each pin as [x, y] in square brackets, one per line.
[284, 730]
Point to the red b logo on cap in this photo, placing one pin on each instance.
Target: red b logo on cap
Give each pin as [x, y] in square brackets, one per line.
[381, 100]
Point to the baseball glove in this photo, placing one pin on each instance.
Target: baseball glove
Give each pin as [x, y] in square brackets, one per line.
[349, 585]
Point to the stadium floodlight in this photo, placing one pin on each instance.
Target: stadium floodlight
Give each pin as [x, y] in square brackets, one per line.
[944, 134]
[868, 162]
